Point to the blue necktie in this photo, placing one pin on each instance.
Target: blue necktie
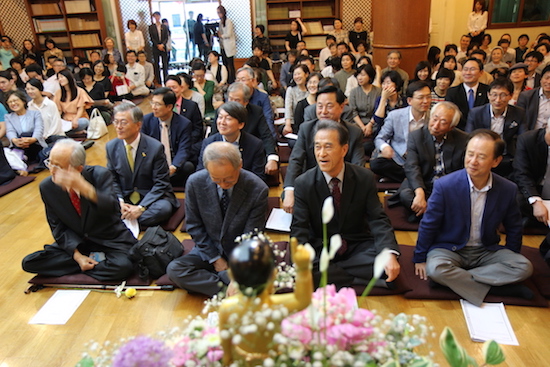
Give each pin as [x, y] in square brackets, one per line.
[471, 98]
[224, 202]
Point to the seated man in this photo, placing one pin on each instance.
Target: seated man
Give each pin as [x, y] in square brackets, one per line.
[530, 172]
[232, 117]
[458, 245]
[173, 131]
[255, 125]
[135, 72]
[506, 120]
[222, 202]
[432, 152]
[140, 170]
[84, 216]
[394, 60]
[391, 141]
[532, 101]
[358, 215]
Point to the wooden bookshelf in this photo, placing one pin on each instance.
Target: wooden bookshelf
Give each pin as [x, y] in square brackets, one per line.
[314, 14]
[76, 26]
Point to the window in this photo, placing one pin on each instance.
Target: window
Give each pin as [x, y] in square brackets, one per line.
[518, 13]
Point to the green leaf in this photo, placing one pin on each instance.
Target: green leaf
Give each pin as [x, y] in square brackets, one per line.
[391, 363]
[454, 354]
[493, 353]
[424, 362]
[86, 362]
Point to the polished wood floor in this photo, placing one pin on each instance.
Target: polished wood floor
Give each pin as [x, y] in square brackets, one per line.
[23, 229]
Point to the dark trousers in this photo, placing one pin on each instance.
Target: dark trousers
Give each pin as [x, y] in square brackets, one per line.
[179, 178]
[387, 168]
[229, 63]
[55, 262]
[157, 56]
[157, 213]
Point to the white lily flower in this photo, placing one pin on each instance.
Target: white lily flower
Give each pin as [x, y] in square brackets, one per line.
[311, 251]
[335, 244]
[118, 290]
[328, 210]
[324, 260]
[381, 261]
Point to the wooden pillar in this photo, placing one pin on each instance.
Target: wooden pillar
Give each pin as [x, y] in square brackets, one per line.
[401, 25]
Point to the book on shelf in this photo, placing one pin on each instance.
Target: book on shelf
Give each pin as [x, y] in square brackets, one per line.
[79, 24]
[45, 9]
[49, 25]
[78, 6]
[85, 40]
[294, 13]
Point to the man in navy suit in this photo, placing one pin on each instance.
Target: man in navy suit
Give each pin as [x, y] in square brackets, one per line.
[471, 93]
[222, 202]
[84, 216]
[159, 38]
[458, 245]
[140, 170]
[232, 117]
[506, 120]
[532, 101]
[177, 134]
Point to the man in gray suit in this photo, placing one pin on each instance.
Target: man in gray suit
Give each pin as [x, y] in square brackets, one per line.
[222, 202]
[140, 170]
[391, 141]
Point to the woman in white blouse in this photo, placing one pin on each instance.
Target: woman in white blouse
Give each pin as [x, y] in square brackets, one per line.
[228, 43]
[134, 38]
[477, 22]
[53, 128]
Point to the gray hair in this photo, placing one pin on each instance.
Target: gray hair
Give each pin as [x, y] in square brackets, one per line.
[238, 86]
[78, 154]
[137, 114]
[221, 151]
[248, 70]
[449, 106]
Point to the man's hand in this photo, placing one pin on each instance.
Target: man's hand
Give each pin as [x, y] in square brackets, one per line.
[85, 262]
[172, 169]
[69, 179]
[271, 167]
[387, 152]
[287, 129]
[419, 202]
[392, 268]
[130, 211]
[220, 265]
[420, 270]
[540, 212]
[288, 202]
[160, 47]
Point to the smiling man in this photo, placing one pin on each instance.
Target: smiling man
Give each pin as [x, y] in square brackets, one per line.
[458, 244]
[222, 202]
[358, 216]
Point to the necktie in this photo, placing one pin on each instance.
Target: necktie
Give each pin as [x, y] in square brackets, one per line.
[165, 140]
[471, 98]
[337, 197]
[134, 196]
[75, 200]
[224, 202]
[439, 169]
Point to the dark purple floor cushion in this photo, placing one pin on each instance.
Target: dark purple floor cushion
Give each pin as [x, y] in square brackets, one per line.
[541, 270]
[421, 289]
[17, 182]
[83, 279]
[398, 215]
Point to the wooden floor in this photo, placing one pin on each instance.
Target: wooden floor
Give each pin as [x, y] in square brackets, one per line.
[23, 229]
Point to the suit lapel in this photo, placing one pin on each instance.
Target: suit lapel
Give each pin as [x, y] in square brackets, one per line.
[486, 120]
[141, 153]
[464, 195]
[348, 188]
[429, 146]
[124, 158]
[238, 196]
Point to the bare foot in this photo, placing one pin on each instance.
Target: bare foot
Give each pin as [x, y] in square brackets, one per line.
[22, 173]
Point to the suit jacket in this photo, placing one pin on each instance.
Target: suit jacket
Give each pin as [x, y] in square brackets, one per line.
[302, 157]
[252, 152]
[6, 173]
[261, 99]
[150, 177]
[514, 124]
[529, 101]
[100, 222]
[257, 126]
[447, 222]
[191, 110]
[14, 128]
[180, 136]
[361, 219]
[214, 235]
[158, 39]
[530, 162]
[419, 166]
[457, 95]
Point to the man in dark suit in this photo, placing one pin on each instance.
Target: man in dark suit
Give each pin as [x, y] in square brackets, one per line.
[358, 215]
[84, 216]
[6, 173]
[140, 170]
[533, 60]
[255, 125]
[531, 100]
[330, 104]
[530, 170]
[433, 151]
[173, 131]
[458, 245]
[506, 120]
[159, 34]
[470, 93]
[222, 202]
[230, 122]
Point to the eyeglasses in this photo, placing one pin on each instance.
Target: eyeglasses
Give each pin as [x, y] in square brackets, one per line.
[501, 95]
[156, 104]
[120, 122]
[49, 164]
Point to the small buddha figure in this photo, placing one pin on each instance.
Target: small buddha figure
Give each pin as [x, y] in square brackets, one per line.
[249, 320]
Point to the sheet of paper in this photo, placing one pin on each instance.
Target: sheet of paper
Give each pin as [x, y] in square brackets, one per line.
[547, 205]
[60, 307]
[280, 110]
[279, 220]
[133, 226]
[291, 136]
[66, 125]
[280, 121]
[488, 322]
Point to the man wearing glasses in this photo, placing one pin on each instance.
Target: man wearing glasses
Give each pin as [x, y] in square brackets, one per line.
[84, 216]
[222, 202]
[140, 170]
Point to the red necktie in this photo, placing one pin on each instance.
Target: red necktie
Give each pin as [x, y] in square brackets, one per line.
[75, 200]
